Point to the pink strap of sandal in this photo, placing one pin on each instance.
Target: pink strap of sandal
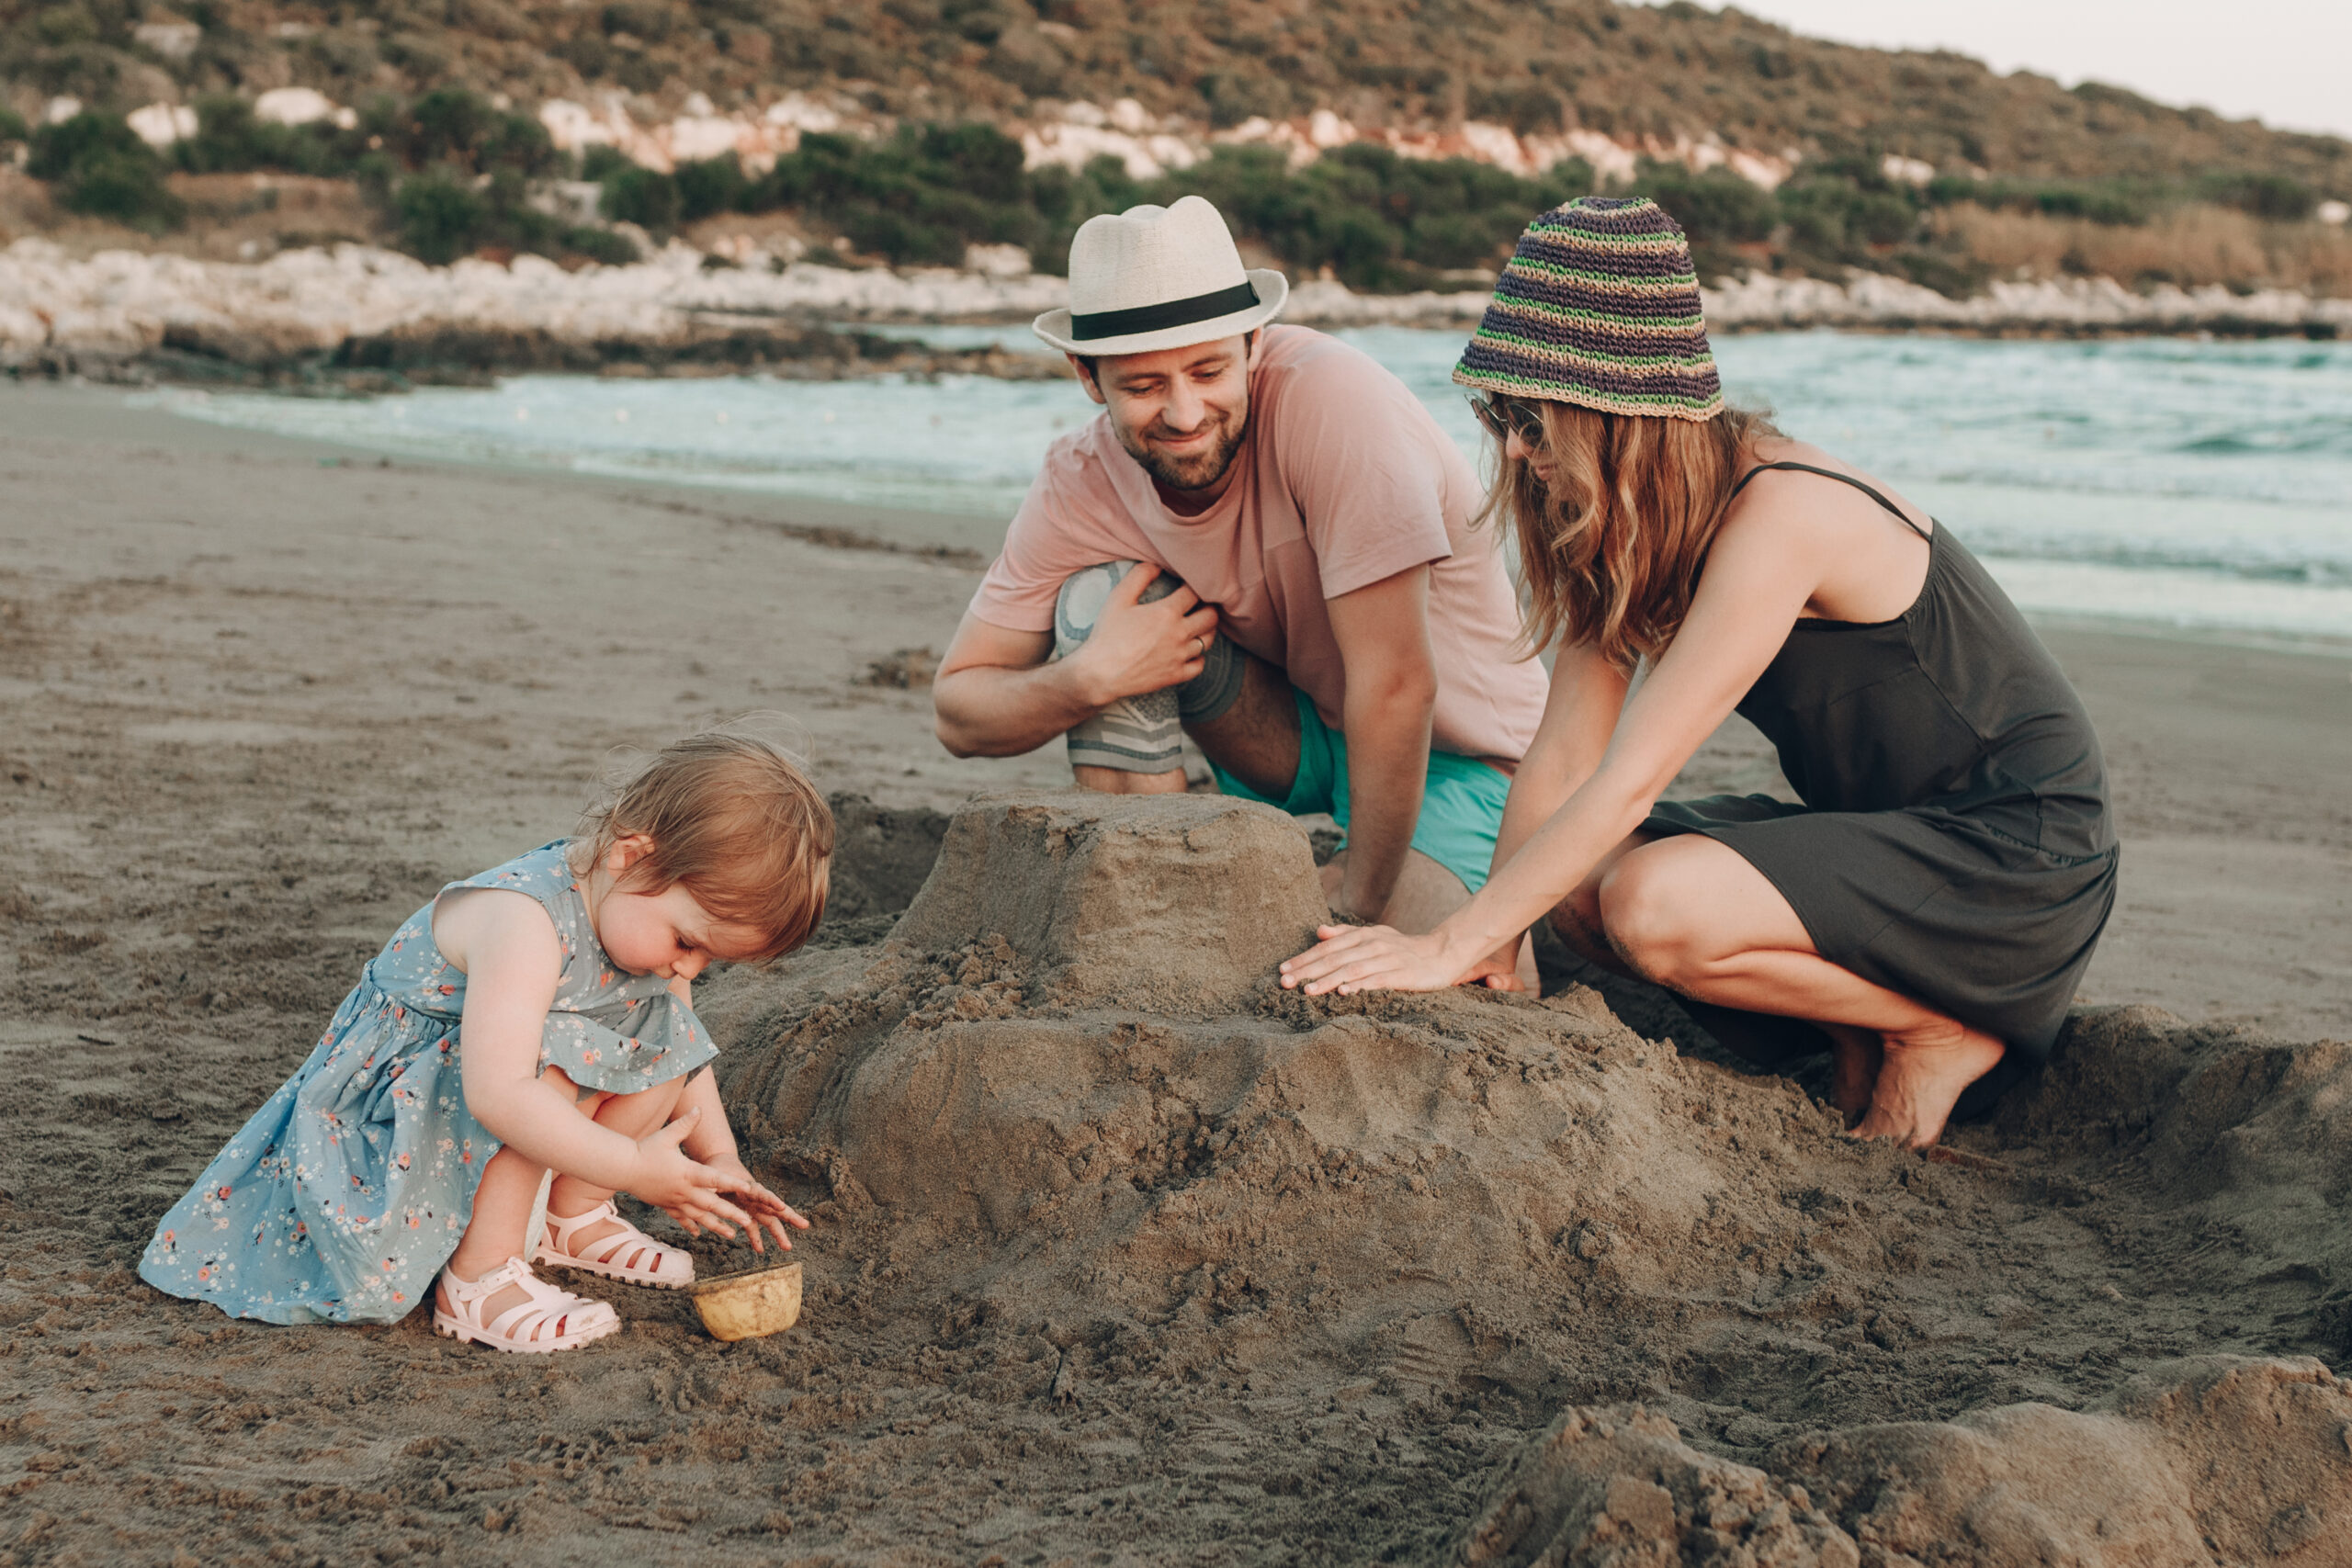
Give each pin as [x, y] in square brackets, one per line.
[545, 1321]
[627, 1254]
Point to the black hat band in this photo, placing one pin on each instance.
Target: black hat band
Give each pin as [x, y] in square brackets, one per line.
[1159, 318]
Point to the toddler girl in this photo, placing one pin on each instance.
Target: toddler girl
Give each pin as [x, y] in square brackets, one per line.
[538, 1016]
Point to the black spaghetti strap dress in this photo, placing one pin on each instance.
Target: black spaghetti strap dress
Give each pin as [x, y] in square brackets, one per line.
[1954, 843]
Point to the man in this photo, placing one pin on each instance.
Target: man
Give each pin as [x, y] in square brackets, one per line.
[1264, 541]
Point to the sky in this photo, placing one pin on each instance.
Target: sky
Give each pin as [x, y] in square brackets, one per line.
[2288, 62]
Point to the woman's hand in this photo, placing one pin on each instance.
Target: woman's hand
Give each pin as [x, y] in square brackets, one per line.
[1375, 958]
[767, 1210]
[684, 1188]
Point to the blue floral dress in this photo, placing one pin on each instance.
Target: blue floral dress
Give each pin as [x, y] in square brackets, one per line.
[346, 1193]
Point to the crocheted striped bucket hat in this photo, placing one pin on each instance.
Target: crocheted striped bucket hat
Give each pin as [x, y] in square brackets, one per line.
[1599, 305]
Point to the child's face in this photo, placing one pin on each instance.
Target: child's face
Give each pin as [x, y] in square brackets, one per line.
[666, 933]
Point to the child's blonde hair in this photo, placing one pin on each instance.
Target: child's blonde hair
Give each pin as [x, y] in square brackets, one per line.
[735, 820]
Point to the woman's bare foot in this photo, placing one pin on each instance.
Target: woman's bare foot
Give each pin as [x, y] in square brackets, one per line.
[1854, 1057]
[1922, 1077]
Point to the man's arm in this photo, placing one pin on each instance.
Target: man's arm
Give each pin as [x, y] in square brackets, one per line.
[997, 695]
[1383, 632]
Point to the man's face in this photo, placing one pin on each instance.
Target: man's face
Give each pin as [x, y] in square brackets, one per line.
[1180, 412]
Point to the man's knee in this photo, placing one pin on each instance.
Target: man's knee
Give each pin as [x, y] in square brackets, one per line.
[1144, 734]
[1646, 914]
[1079, 605]
[1085, 591]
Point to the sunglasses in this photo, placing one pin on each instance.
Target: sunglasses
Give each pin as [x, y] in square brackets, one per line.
[1505, 417]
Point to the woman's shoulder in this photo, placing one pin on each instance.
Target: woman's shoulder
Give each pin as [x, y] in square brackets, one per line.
[1820, 487]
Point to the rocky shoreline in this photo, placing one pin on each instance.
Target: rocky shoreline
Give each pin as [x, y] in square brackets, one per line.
[360, 320]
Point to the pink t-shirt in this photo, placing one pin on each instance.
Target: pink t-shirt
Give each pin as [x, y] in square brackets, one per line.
[1343, 479]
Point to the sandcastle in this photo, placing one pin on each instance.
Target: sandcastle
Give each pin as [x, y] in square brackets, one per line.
[1064, 1103]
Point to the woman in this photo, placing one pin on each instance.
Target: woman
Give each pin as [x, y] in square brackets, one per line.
[1926, 912]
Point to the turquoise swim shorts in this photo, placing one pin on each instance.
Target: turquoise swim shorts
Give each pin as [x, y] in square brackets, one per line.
[1461, 805]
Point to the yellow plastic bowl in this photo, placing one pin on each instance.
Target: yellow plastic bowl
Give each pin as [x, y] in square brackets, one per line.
[747, 1305]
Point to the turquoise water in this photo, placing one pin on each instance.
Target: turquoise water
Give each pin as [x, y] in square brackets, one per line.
[2198, 483]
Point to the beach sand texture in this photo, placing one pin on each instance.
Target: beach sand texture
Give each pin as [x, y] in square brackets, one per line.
[1116, 1261]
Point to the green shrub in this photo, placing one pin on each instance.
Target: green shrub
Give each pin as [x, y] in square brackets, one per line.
[602, 161]
[2264, 196]
[1717, 208]
[446, 125]
[12, 127]
[600, 246]
[229, 139]
[712, 186]
[920, 196]
[99, 167]
[442, 216]
[1841, 216]
[646, 198]
[445, 213]
[1376, 219]
[2120, 203]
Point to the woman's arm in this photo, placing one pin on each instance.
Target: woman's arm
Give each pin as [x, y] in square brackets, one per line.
[1756, 584]
[1580, 713]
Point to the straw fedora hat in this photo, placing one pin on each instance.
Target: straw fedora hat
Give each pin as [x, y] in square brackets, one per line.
[1155, 278]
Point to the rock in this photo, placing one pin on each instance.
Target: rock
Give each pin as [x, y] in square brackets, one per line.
[2263, 1450]
[2222, 1459]
[1616, 1487]
[63, 314]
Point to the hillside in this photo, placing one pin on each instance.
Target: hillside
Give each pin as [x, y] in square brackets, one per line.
[1385, 144]
[1670, 74]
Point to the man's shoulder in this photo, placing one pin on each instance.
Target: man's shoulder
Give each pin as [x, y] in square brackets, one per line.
[1304, 370]
[1292, 352]
[1080, 477]
[1322, 393]
[1073, 460]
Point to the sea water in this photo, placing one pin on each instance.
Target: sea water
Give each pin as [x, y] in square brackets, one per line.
[2194, 483]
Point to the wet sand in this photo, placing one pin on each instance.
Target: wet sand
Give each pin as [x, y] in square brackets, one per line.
[262, 697]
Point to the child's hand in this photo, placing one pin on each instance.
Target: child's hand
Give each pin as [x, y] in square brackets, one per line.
[686, 1189]
[767, 1209]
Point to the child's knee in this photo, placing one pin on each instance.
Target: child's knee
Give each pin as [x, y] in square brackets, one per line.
[640, 1112]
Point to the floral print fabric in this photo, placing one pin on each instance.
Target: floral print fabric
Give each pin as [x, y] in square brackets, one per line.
[343, 1195]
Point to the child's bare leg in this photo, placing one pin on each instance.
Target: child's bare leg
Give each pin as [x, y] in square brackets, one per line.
[632, 1116]
[510, 1185]
[502, 1204]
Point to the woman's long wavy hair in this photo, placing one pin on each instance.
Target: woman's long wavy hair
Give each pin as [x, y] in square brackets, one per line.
[1612, 550]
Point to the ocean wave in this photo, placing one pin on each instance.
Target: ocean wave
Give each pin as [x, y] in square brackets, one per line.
[2098, 471]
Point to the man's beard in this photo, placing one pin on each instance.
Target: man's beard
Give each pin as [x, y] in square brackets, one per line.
[1190, 473]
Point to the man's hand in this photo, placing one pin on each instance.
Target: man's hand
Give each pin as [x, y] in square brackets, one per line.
[1000, 693]
[1136, 647]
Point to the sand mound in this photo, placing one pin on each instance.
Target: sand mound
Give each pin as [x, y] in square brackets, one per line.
[2223, 1458]
[1065, 1115]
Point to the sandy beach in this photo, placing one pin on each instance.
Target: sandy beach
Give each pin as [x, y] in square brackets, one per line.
[262, 697]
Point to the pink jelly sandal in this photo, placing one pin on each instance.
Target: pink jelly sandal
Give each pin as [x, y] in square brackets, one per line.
[628, 1255]
[547, 1320]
